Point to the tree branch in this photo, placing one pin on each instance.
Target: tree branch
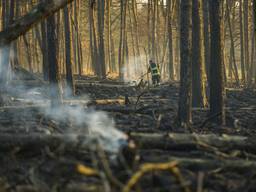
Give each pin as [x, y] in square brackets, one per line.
[22, 25]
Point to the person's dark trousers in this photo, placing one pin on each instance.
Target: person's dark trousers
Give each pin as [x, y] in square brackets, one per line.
[155, 79]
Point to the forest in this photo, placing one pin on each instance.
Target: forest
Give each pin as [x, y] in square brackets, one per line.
[127, 95]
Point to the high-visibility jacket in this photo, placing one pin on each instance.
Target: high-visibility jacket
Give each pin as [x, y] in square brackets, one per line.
[154, 69]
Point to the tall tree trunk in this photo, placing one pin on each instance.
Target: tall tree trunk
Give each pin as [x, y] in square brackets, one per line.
[177, 47]
[136, 28]
[153, 30]
[170, 37]
[198, 72]
[246, 38]
[242, 58]
[253, 54]
[54, 76]
[216, 68]
[110, 67]
[206, 37]
[121, 51]
[45, 51]
[7, 19]
[232, 49]
[70, 90]
[101, 21]
[184, 111]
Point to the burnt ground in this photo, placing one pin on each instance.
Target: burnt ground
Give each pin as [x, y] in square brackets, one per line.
[149, 111]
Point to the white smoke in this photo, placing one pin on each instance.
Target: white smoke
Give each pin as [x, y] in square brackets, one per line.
[136, 69]
[95, 124]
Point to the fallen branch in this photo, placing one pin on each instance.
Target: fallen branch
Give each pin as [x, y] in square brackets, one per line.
[149, 167]
[22, 25]
[188, 142]
[185, 142]
[39, 141]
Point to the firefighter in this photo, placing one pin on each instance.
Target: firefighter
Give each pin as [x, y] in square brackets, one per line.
[155, 72]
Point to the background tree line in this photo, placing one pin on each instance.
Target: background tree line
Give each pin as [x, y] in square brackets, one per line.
[118, 37]
[198, 42]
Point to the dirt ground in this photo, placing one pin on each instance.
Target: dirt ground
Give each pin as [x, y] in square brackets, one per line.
[148, 111]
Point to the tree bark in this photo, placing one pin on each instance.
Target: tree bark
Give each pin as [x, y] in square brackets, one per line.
[170, 42]
[101, 26]
[121, 51]
[233, 69]
[246, 38]
[70, 89]
[242, 58]
[206, 37]
[54, 75]
[189, 142]
[216, 67]
[185, 97]
[198, 71]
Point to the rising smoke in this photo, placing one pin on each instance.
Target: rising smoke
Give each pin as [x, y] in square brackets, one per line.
[135, 69]
[97, 125]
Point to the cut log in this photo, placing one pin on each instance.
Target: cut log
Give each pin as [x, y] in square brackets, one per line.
[40, 141]
[145, 141]
[190, 142]
[22, 25]
[147, 109]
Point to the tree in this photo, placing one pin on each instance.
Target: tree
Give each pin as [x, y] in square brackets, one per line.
[93, 37]
[7, 15]
[184, 111]
[54, 76]
[101, 21]
[242, 40]
[216, 68]
[69, 73]
[170, 42]
[198, 69]
[121, 51]
[44, 51]
[206, 37]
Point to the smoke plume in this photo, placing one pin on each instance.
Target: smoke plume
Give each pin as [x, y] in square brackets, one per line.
[95, 124]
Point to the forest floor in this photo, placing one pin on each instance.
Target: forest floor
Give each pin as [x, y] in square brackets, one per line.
[204, 157]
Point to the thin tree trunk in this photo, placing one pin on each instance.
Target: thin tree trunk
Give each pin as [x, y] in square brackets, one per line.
[206, 37]
[121, 52]
[45, 51]
[198, 72]
[242, 59]
[232, 49]
[70, 91]
[101, 21]
[170, 36]
[246, 38]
